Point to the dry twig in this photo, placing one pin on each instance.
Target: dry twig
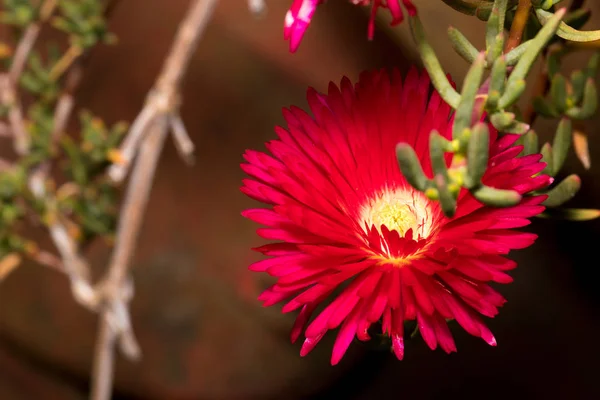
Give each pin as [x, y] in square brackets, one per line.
[147, 133]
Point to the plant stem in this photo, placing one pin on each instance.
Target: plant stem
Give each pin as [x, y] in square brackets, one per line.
[518, 26]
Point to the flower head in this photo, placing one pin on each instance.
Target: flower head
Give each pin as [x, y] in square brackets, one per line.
[301, 12]
[345, 218]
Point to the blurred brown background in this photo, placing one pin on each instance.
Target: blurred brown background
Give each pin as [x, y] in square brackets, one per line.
[203, 334]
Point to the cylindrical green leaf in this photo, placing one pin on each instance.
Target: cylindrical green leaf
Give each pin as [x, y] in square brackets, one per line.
[558, 92]
[565, 31]
[461, 45]
[563, 192]
[518, 128]
[494, 31]
[464, 113]
[592, 66]
[411, 167]
[432, 64]
[497, 83]
[578, 79]
[514, 90]
[437, 149]
[544, 107]
[571, 214]
[588, 104]
[496, 49]
[548, 159]
[446, 199]
[502, 120]
[497, 197]
[477, 155]
[561, 144]
[513, 56]
[529, 142]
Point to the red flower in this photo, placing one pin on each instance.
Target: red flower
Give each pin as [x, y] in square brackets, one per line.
[344, 214]
[301, 12]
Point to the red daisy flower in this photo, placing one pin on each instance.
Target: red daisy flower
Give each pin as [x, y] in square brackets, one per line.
[344, 214]
[301, 12]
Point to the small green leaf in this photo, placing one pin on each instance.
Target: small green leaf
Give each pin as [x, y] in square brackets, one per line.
[477, 155]
[529, 142]
[437, 150]
[544, 107]
[497, 197]
[446, 199]
[561, 144]
[578, 79]
[558, 92]
[563, 192]
[411, 167]
[565, 31]
[502, 120]
[589, 103]
[431, 63]
[571, 214]
[514, 89]
[513, 56]
[461, 45]
[547, 158]
[464, 113]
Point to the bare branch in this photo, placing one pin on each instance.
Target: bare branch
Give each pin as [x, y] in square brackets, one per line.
[74, 265]
[103, 361]
[28, 40]
[65, 103]
[131, 143]
[150, 130]
[15, 115]
[163, 99]
[23, 50]
[183, 142]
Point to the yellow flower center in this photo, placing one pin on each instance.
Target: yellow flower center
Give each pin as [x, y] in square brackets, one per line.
[399, 210]
[395, 216]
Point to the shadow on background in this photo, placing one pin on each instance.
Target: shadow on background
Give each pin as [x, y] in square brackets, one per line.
[203, 333]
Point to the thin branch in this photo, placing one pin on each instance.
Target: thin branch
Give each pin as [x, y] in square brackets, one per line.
[28, 40]
[183, 142]
[103, 361]
[518, 26]
[74, 265]
[65, 103]
[8, 98]
[131, 142]
[23, 50]
[163, 99]
[162, 103]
